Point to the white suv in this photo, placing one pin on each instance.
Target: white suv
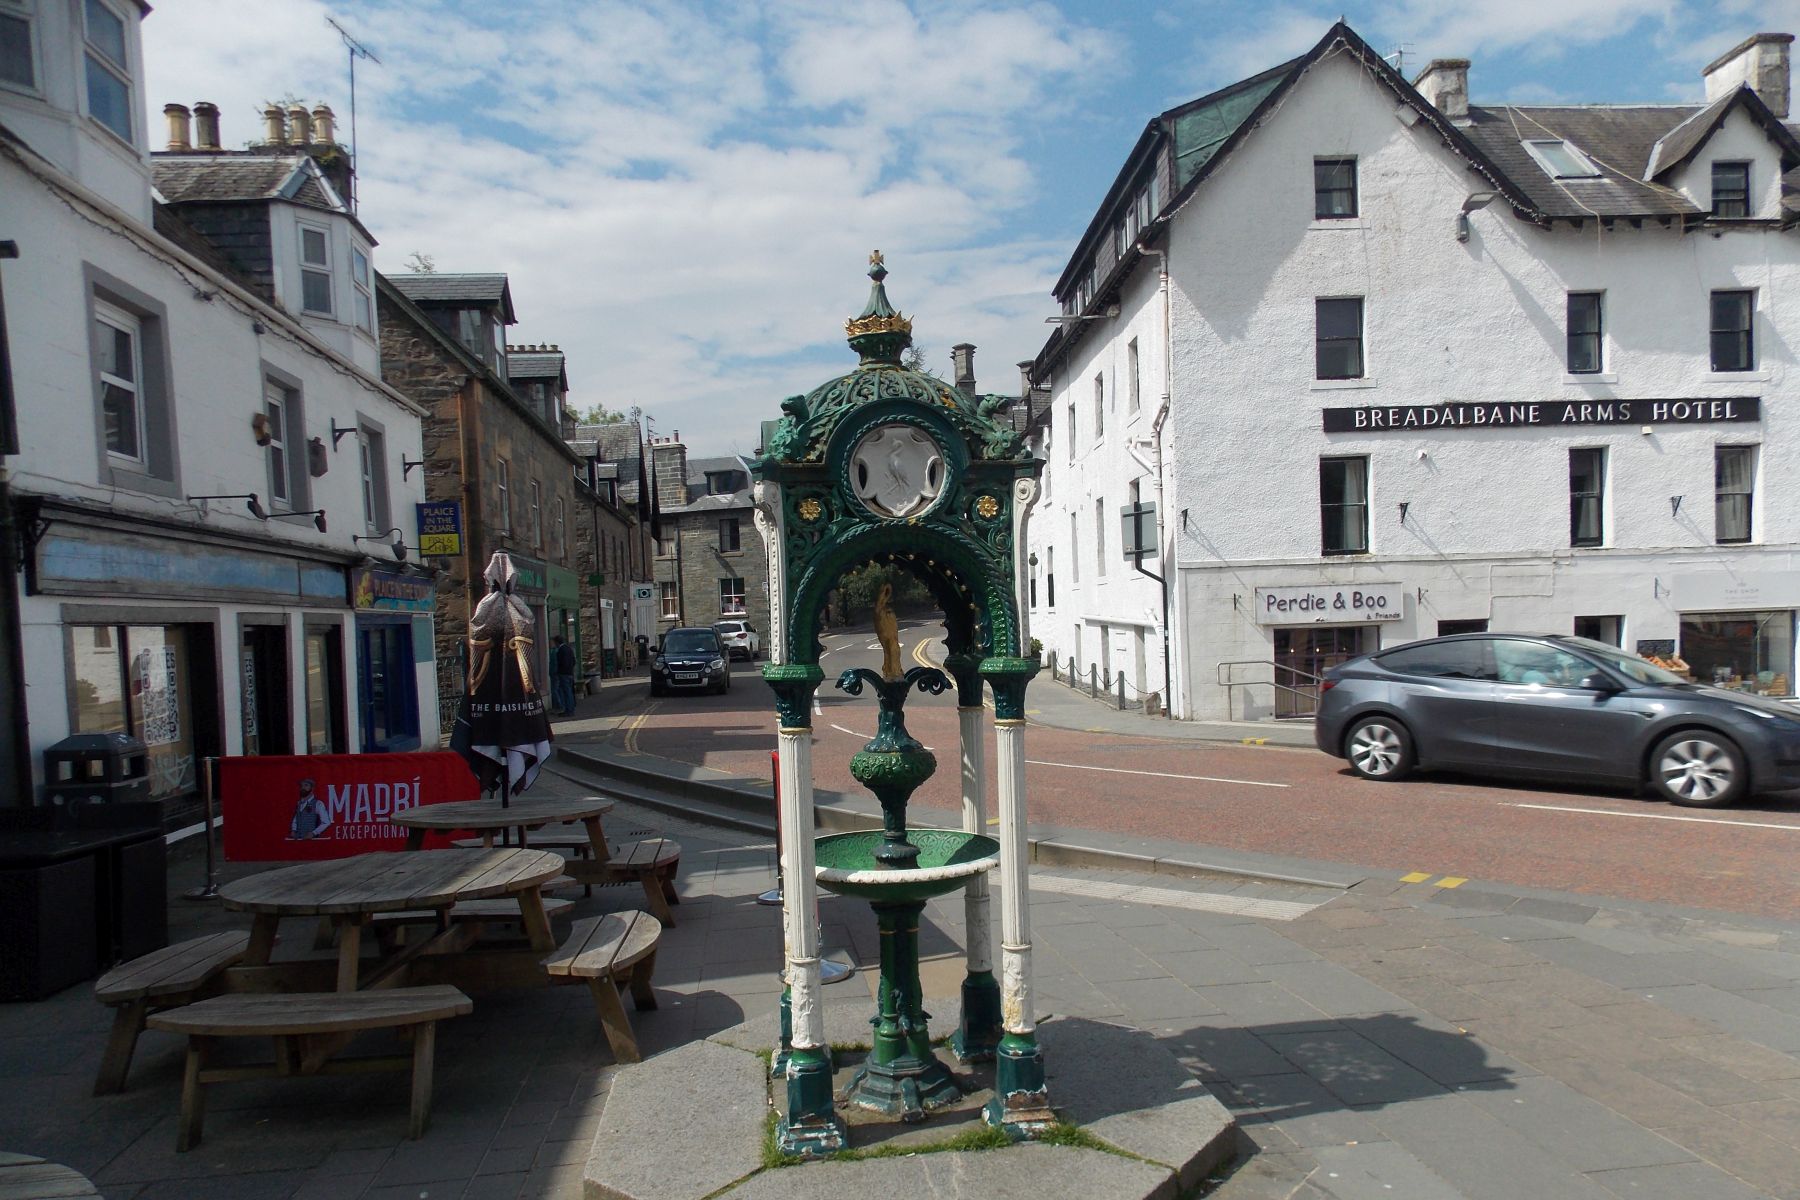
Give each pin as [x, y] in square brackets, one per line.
[740, 639]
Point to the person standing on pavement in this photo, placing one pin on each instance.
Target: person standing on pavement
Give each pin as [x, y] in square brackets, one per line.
[562, 676]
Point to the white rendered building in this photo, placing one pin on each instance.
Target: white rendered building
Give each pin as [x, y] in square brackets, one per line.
[1419, 367]
[187, 325]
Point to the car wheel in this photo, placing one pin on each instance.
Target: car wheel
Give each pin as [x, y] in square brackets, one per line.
[656, 690]
[1698, 768]
[1379, 748]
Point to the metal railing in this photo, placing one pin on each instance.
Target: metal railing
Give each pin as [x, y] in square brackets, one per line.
[1302, 696]
[1111, 688]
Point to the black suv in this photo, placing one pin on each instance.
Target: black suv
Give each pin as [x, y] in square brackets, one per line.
[690, 657]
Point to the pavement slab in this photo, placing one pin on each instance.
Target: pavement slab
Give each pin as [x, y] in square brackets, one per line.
[715, 1093]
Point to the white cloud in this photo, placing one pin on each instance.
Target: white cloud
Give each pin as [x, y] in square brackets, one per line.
[684, 204]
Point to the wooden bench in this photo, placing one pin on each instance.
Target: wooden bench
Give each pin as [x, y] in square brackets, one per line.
[166, 978]
[27, 1177]
[651, 862]
[610, 952]
[308, 1027]
[467, 912]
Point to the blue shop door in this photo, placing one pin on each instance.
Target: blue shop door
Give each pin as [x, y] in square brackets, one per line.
[387, 685]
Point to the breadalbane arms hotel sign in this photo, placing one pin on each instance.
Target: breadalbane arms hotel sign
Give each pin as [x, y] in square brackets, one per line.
[1556, 412]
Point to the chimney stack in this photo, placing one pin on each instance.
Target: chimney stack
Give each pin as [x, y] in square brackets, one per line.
[274, 125]
[1445, 83]
[324, 125]
[299, 125]
[178, 126]
[206, 126]
[1760, 62]
[962, 365]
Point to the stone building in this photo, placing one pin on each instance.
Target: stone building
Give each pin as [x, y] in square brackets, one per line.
[1391, 364]
[615, 541]
[498, 456]
[710, 561]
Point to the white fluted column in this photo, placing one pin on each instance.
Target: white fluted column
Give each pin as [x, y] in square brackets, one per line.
[976, 898]
[1016, 1008]
[800, 890]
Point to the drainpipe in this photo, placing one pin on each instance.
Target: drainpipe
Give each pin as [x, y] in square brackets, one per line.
[1156, 437]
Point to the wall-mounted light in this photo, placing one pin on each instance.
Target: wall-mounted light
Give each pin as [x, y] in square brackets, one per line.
[1404, 505]
[254, 505]
[317, 514]
[1476, 200]
[398, 545]
[1675, 505]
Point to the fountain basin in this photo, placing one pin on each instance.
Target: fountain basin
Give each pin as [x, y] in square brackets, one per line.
[846, 864]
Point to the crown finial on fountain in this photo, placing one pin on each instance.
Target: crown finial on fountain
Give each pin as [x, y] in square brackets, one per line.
[879, 333]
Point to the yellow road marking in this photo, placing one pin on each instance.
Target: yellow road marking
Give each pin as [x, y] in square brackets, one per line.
[1256, 741]
[1415, 877]
[1451, 881]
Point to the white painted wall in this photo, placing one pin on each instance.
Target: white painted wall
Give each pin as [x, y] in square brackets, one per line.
[216, 367]
[1486, 533]
[1738, 139]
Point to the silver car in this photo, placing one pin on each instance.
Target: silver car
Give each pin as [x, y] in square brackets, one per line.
[1553, 707]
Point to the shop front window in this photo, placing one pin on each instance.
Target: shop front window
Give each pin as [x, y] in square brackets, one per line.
[324, 691]
[135, 679]
[1743, 651]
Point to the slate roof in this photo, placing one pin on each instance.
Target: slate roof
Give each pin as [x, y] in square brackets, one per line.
[1616, 138]
[224, 179]
[699, 500]
[534, 364]
[618, 444]
[456, 290]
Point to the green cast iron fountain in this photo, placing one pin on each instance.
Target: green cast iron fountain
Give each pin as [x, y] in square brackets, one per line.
[897, 873]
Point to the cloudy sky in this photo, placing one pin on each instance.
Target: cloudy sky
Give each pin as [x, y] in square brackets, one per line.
[685, 194]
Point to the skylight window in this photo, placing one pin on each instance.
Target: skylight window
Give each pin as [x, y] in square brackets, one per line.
[1561, 160]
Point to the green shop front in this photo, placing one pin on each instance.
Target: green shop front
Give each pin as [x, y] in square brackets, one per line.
[394, 652]
[562, 606]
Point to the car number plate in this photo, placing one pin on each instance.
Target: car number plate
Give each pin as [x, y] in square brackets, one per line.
[689, 678]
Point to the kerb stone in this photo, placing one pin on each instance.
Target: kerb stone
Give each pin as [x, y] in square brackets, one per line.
[1023, 1172]
[646, 1147]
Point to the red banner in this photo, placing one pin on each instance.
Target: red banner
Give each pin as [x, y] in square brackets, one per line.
[287, 808]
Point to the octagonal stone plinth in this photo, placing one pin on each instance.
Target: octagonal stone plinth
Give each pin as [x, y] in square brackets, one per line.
[1117, 1084]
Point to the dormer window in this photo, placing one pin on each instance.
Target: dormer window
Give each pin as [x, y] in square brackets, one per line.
[108, 68]
[315, 271]
[721, 483]
[17, 63]
[1560, 160]
[1731, 189]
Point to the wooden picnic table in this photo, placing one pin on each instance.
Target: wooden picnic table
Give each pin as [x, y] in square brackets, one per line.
[350, 891]
[487, 817]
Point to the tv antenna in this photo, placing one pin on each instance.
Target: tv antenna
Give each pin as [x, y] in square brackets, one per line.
[357, 50]
[1398, 57]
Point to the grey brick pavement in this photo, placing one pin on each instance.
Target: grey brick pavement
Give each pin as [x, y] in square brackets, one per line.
[1395, 1041]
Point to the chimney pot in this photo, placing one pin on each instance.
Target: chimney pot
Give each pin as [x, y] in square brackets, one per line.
[274, 126]
[299, 125]
[178, 126]
[1759, 62]
[1445, 84]
[324, 125]
[206, 126]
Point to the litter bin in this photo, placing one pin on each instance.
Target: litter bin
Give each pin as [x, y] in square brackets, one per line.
[96, 768]
[98, 787]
